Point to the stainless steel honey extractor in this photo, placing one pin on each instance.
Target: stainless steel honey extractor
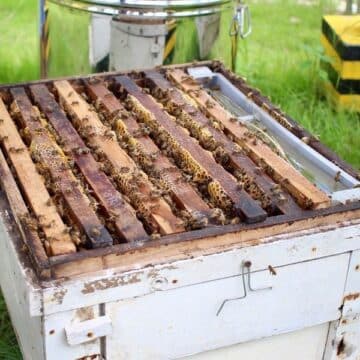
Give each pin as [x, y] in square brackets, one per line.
[79, 36]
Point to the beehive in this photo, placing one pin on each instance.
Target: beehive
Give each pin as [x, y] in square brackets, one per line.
[340, 39]
[104, 175]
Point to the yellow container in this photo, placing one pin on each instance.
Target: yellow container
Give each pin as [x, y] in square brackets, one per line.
[341, 40]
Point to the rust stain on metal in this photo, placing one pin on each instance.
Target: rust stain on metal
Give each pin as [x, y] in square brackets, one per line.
[340, 347]
[103, 284]
[352, 296]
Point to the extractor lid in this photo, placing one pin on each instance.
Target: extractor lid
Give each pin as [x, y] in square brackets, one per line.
[148, 8]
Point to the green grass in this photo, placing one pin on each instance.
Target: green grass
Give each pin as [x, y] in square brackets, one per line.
[8, 345]
[18, 41]
[281, 58]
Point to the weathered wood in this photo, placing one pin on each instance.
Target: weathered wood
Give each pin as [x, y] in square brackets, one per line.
[134, 183]
[127, 226]
[54, 162]
[33, 187]
[209, 240]
[200, 162]
[259, 185]
[181, 191]
[22, 218]
[307, 194]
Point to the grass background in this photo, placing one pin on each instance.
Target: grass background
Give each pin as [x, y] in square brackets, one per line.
[281, 58]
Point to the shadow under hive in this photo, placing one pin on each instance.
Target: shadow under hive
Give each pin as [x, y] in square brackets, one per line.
[109, 164]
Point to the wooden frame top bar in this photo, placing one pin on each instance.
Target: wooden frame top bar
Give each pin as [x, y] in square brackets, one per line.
[160, 212]
[52, 158]
[128, 227]
[243, 203]
[33, 186]
[88, 129]
[185, 196]
[238, 160]
[307, 194]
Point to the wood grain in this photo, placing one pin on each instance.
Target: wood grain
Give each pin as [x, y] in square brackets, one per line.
[54, 162]
[22, 217]
[127, 226]
[33, 187]
[255, 182]
[182, 192]
[307, 194]
[198, 158]
[100, 137]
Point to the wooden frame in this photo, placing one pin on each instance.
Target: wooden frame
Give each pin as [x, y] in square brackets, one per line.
[170, 245]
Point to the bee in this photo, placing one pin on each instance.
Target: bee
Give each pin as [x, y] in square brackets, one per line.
[308, 204]
[186, 77]
[75, 102]
[216, 125]
[196, 92]
[254, 142]
[258, 170]
[2, 121]
[95, 231]
[276, 188]
[337, 176]
[94, 80]
[218, 216]
[272, 270]
[305, 139]
[109, 135]
[16, 150]
[48, 225]
[215, 87]
[70, 93]
[155, 236]
[81, 151]
[285, 181]
[68, 191]
[235, 220]
[66, 230]
[195, 220]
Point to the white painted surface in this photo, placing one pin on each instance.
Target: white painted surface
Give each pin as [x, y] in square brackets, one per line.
[286, 249]
[344, 336]
[56, 344]
[352, 291]
[346, 196]
[171, 324]
[153, 319]
[89, 330]
[21, 298]
[305, 344]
